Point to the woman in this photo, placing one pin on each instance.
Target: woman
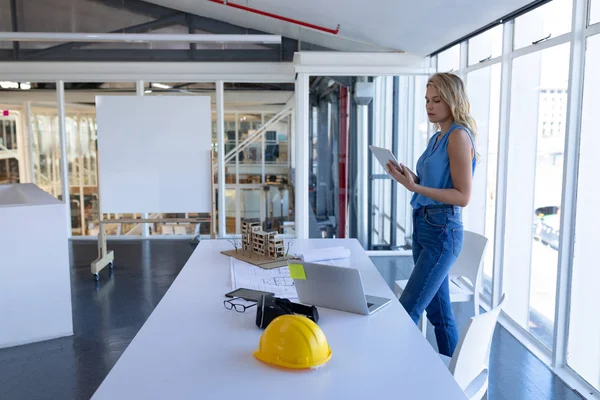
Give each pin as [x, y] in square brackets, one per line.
[441, 186]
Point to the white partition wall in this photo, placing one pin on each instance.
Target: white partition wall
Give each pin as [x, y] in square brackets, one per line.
[35, 285]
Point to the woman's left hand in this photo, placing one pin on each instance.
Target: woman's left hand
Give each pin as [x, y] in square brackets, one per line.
[403, 175]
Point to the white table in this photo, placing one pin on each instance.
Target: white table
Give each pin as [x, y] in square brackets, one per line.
[191, 347]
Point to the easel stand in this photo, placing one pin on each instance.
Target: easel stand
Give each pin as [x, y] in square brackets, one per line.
[106, 258]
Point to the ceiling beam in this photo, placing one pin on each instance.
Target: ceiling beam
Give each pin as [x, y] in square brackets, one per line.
[176, 18]
[220, 27]
[152, 55]
[138, 7]
[15, 27]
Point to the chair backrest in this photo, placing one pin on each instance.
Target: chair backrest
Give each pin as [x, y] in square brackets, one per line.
[472, 355]
[470, 260]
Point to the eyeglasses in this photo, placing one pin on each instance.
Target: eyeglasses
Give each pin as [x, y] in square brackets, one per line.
[230, 305]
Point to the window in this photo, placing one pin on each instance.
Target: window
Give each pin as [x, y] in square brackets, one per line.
[483, 88]
[9, 171]
[594, 16]
[486, 45]
[449, 60]
[381, 187]
[405, 136]
[533, 193]
[548, 21]
[584, 327]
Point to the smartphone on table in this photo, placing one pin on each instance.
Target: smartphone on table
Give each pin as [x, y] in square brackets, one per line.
[248, 294]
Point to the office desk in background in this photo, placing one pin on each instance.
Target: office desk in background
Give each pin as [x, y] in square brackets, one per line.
[191, 347]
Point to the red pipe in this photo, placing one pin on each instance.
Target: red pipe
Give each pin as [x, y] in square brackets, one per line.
[279, 17]
[343, 160]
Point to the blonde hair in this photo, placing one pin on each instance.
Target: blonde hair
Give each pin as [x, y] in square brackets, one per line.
[452, 90]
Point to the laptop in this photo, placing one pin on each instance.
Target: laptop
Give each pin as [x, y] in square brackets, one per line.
[339, 288]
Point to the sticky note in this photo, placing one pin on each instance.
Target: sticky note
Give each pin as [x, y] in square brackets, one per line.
[297, 271]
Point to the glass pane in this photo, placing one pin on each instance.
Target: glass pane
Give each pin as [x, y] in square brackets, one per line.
[80, 126]
[9, 171]
[230, 213]
[584, 329]
[537, 120]
[405, 136]
[550, 20]
[486, 45]
[257, 155]
[449, 60]
[594, 12]
[381, 187]
[484, 92]
[422, 127]
[45, 152]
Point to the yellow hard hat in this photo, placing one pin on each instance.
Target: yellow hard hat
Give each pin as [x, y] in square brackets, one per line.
[293, 341]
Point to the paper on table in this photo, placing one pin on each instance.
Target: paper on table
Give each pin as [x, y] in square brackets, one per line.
[328, 255]
[276, 280]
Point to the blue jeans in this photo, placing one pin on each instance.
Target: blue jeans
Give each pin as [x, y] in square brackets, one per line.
[437, 243]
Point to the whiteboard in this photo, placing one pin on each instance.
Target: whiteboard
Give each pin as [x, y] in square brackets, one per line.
[154, 154]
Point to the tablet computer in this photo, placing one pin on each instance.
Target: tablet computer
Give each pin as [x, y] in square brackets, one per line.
[383, 156]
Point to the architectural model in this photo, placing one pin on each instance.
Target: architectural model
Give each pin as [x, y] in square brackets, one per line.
[255, 240]
[263, 249]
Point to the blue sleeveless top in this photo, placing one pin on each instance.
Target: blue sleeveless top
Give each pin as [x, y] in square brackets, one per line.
[433, 167]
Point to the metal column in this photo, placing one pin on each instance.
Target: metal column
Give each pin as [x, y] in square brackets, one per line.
[352, 172]
[302, 159]
[395, 123]
[362, 175]
[323, 157]
[139, 91]
[221, 159]
[14, 19]
[64, 161]
[343, 162]
[369, 168]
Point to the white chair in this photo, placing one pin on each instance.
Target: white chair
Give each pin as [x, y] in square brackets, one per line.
[471, 359]
[179, 230]
[167, 230]
[468, 265]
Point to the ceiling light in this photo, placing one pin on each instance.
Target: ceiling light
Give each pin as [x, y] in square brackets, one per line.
[161, 86]
[9, 85]
[136, 37]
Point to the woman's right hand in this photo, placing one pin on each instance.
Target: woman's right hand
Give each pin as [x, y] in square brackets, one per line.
[402, 175]
[414, 176]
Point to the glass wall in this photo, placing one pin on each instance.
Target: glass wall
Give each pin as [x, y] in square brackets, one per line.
[387, 112]
[524, 105]
[258, 166]
[414, 131]
[181, 228]
[82, 155]
[449, 60]
[537, 122]
[381, 189]
[594, 15]
[548, 21]
[485, 46]
[10, 168]
[483, 87]
[584, 328]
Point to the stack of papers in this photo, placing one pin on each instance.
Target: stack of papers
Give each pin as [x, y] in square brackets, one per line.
[276, 280]
[328, 255]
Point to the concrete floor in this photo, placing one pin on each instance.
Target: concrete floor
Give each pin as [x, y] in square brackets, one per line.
[108, 314]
